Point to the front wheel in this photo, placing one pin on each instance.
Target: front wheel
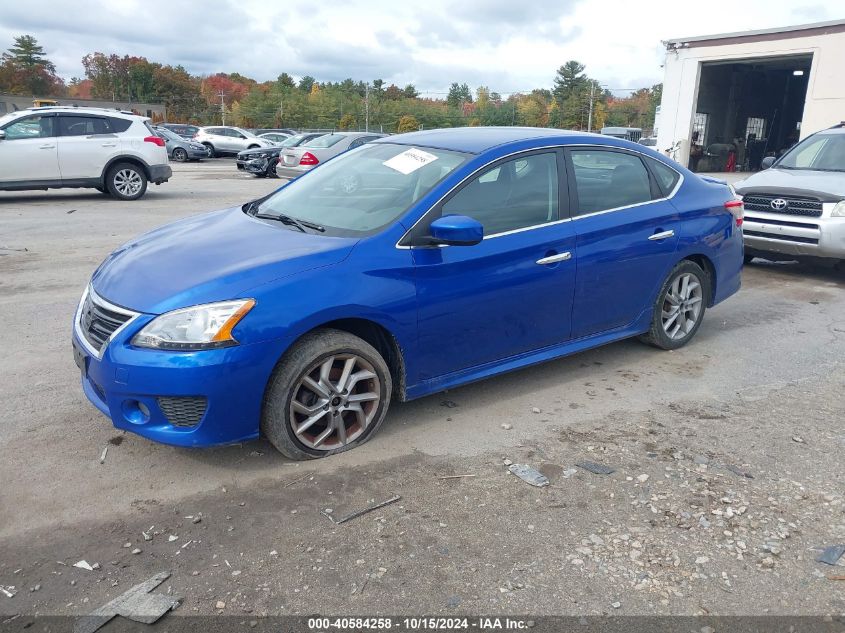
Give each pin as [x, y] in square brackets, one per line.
[329, 393]
[126, 181]
[680, 306]
[210, 152]
[180, 155]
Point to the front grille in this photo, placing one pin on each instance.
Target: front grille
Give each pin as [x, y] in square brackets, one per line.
[800, 225]
[183, 410]
[98, 322]
[808, 207]
[780, 237]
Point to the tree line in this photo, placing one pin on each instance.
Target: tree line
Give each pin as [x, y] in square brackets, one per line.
[575, 100]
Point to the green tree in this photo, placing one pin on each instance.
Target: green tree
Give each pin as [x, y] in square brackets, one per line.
[458, 94]
[306, 83]
[408, 123]
[410, 92]
[25, 69]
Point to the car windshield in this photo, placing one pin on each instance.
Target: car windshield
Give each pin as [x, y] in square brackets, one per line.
[168, 134]
[362, 190]
[326, 140]
[820, 152]
[292, 141]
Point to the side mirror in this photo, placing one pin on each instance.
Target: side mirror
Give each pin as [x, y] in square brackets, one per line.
[456, 230]
[767, 162]
[2, 134]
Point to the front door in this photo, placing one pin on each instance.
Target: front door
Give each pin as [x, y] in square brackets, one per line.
[28, 152]
[627, 234]
[511, 293]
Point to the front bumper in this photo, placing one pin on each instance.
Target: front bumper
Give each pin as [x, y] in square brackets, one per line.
[131, 385]
[160, 173]
[256, 165]
[196, 154]
[795, 235]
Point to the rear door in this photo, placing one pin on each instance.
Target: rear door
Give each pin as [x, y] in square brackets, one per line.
[627, 234]
[86, 143]
[511, 293]
[29, 151]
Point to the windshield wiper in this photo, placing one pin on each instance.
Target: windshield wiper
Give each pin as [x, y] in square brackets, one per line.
[286, 219]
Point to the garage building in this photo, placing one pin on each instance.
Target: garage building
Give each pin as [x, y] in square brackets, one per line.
[729, 100]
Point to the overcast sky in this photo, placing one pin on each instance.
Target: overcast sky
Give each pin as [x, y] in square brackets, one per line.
[507, 45]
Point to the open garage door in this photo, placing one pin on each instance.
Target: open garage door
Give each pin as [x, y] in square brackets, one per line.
[746, 110]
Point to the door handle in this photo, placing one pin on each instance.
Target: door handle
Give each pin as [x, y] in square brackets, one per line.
[46, 147]
[553, 259]
[662, 235]
[109, 144]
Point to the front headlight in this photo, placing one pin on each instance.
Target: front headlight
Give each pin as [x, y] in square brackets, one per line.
[838, 210]
[207, 326]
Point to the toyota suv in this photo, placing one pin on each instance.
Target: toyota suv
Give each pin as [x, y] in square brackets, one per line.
[795, 207]
[57, 147]
[220, 140]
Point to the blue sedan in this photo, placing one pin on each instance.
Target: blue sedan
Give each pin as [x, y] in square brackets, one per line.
[413, 264]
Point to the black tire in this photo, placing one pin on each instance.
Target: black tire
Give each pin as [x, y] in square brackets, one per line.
[271, 169]
[305, 357]
[180, 155]
[120, 176]
[657, 335]
[102, 190]
[210, 151]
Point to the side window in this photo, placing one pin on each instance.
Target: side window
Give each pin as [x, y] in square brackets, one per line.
[512, 195]
[119, 125]
[30, 127]
[608, 180]
[667, 177]
[358, 142]
[83, 126]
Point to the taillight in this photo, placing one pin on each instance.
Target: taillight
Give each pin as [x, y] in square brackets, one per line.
[737, 209]
[155, 140]
[308, 159]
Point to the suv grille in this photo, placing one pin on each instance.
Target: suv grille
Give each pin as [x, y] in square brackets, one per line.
[809, 207]
[183, 410]
[97, 322]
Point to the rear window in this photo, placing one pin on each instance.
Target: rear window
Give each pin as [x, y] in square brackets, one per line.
[119, 125]
[324, 141]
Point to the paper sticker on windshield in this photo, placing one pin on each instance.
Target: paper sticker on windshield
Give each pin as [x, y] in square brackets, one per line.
[410, 161]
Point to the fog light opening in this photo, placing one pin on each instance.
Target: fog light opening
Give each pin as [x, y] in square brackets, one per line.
[135, 412]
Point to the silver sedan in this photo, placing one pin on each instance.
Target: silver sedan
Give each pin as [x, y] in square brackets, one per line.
[298, 160]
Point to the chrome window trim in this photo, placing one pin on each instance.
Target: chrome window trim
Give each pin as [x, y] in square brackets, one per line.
[77, 320]
[561, 221]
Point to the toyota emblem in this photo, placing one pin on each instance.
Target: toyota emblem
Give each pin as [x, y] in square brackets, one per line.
[779, 204]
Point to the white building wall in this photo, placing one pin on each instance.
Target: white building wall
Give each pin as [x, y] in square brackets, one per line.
[825, 101]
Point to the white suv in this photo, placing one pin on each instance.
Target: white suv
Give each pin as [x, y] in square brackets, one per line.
[219, 140]
[55, 147]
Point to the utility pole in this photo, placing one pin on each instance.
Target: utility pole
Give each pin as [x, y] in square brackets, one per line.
[281, 111]
[367, 108]
[590, 117]
[222, 108]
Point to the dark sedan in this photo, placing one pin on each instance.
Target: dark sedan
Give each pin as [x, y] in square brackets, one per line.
[261, 161]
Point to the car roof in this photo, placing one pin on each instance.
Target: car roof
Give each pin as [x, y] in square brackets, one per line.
[475, 140]
[122, 114]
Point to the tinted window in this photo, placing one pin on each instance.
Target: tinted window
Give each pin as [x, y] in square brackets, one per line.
[212, 130]
[83, 126]
[30, 127]
[607, 180]
[120, 125]
[825, 152]
[667, 177]
[513, 195]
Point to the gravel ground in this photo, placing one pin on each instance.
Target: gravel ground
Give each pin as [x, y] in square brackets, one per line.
[727, 459]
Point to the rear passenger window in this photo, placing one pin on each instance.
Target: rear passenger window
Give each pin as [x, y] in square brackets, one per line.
[513, 195]
[667, 177]
[608, 180]
[83, 126]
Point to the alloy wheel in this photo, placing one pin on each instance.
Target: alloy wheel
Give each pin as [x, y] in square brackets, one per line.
[180, 155]
[682, 306]
[334, 402]
[128, 182]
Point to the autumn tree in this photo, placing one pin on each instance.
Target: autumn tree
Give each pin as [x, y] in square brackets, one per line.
[347, 121]
[408, 123]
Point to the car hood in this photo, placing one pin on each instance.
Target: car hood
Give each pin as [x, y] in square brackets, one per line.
[210, 257]
[828, 186]
[259, 151]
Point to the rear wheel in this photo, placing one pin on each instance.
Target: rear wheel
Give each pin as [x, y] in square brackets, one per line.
[126, 181]
[329, 393]
[680, 306]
